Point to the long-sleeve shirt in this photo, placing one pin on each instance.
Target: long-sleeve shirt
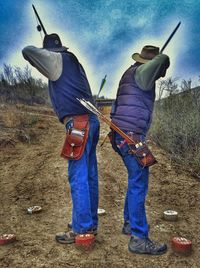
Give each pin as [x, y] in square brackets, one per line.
[47, 62]
[146, 74]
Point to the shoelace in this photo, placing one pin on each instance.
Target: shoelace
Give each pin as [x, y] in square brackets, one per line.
[151, 244]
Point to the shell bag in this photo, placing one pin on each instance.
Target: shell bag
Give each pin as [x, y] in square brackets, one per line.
[76, 137]
[141, 151]
[143, 155]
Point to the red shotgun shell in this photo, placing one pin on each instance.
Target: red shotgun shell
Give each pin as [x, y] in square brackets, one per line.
[84, 241]
[7, 238]
[181, 245]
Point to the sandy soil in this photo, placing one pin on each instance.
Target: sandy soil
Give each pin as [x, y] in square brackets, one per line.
[32, 173]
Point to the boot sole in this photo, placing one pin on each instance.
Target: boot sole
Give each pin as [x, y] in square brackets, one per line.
[65, 242]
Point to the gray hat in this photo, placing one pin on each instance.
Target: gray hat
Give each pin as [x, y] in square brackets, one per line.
[52, 42]
[148, 53]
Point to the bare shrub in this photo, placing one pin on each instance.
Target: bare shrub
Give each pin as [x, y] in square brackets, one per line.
[18, 86]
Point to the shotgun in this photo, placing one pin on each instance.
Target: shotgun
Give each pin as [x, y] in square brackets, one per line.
[40, 26]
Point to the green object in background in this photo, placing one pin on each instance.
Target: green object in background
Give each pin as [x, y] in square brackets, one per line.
[102, 85]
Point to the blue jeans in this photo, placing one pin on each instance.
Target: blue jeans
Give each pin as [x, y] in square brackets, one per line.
[83, 179]
[134, 207]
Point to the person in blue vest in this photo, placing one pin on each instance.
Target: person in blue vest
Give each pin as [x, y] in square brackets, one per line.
[132, 112]
[68, 81]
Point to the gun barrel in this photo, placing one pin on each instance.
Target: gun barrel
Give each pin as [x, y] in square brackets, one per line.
[170, 37]
[41, 24]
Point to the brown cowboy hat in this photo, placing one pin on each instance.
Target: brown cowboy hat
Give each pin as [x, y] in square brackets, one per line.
[148, 53]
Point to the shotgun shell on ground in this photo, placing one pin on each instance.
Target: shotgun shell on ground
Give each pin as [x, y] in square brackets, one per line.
[7, 238]
[85, 241]
[101, 211]
[34, 209]
[170, 215]
[181, 246]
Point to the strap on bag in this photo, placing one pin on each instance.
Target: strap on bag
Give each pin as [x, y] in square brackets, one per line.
[76, 138]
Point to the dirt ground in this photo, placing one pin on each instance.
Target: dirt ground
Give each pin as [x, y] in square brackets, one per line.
[33, 173]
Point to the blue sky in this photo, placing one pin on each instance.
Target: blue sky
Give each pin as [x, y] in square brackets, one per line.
[105, 33]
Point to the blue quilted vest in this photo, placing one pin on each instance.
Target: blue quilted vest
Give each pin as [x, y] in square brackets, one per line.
[132, 110]
[72, 84]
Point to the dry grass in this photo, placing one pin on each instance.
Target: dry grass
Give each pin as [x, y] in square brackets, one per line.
[18, 127]
[176, 128]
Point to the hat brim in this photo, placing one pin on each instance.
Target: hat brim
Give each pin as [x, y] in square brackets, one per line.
[138, 58]
[60, 49]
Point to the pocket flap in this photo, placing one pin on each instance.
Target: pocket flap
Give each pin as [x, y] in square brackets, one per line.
[74, 140]
[142, 151]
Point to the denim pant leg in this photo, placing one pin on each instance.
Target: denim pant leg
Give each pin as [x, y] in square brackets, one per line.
[79, 179]
[135, 211]
[134, 207]
[93, 172]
